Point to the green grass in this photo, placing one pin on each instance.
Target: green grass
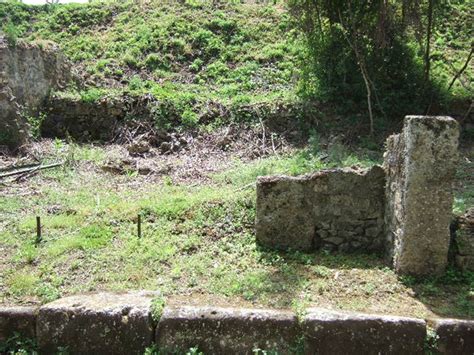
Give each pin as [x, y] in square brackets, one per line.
[204, 63]
[196, 240]
[191, 57]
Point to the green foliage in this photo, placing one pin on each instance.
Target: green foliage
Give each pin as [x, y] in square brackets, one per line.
[157, 306]
[92, 95]
[353, 42]
[431, 342]
[11, 33]
[18, 345]
[194, 59]
[35, 124]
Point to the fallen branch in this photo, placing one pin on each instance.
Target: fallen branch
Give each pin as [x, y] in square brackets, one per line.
[31, 169]
[13, 167]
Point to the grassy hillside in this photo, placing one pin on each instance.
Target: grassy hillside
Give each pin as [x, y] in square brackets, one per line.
[196, 57]
[210, 63]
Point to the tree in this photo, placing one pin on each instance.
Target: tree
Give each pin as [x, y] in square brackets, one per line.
[360, 46]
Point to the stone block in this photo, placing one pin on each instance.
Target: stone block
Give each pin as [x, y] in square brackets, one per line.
[21, 320]
[420, 164]
[227, 330]
[331, 332]
[465, 241]
[454, 336]
[28, 72]
[102, 323]
[296, 212]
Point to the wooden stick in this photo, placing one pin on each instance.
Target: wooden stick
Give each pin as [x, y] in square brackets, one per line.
[38, 230]
[13, 167]
[27, 170]
[139, 226]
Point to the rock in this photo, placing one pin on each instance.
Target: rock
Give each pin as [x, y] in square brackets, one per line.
[454, 336]
[183, 141]
[334, 240]
[165, 147]
[226, 331]
[102, 323]
[28, 72]
[21, 320]
[330, 332]
[295, 212]
[139, 147]
[420, 164]
[464, 239]
[121, 166]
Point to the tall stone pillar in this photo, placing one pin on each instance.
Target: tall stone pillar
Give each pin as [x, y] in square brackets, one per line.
[420, 164]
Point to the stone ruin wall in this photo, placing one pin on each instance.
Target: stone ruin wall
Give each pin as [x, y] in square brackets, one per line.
[403, 209]
[420, 164]
[464, 241]
[334, 210]
[28, 73]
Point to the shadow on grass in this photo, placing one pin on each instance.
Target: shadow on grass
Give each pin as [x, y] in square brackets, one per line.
[289, 275]
[294, 273]
[326, 259]
[448, 295]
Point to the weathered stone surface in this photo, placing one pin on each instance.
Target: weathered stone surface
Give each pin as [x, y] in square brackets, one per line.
[340, 209]
[330, 332]
[28, 72]
[420, 164]
[226, 330]
[83, 120]
[454, 336]
[102, 323]
[20, 320]
[13, 127]
[464, 241]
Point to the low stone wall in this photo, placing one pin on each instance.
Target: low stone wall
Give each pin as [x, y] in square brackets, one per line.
[108, 323]
[82, 120]
[403, 209]
[340, 209]
[464, 241]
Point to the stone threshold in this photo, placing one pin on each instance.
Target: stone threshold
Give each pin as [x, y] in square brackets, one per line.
[122, 323]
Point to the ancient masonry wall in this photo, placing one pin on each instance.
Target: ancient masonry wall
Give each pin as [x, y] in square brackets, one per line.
[340, 209]
[28, 72]
[464, 241]
[403, 209]
[127, 323]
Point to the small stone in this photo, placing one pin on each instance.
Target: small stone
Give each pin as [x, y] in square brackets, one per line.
[334, 240]
[372, 232]
[165, 147]
[139, 147]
